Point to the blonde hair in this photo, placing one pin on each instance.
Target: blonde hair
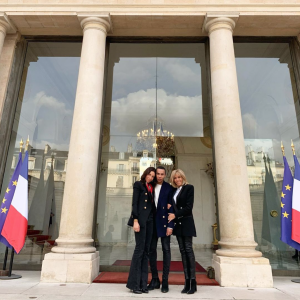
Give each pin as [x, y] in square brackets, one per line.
[181, 174]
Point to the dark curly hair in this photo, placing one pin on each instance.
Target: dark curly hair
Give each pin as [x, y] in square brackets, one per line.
[147, 172]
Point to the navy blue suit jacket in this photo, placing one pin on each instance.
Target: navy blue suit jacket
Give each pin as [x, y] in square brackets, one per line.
[161, 215]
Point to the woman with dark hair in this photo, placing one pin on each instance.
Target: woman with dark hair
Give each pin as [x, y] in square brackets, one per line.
[184, 229]
[142, 215]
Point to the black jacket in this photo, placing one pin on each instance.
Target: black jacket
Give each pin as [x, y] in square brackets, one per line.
[184, 221]
[141, 203]
[161, 214]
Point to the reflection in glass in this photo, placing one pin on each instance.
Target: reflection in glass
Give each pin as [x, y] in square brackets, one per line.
[44, 113]
[270, 114]
[156, 110]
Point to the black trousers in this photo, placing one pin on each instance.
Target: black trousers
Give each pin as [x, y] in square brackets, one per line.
[187, 255]
[138, 274]
[165, 243]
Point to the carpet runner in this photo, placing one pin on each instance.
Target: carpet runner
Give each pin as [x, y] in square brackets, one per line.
[176, 266]
[174, 279]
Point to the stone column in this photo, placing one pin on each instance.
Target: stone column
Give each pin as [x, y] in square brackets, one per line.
[237, 263]
[75, 259]
[4, 26]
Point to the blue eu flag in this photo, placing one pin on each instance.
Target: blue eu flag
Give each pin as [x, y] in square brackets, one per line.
[286, 207]
[8, 196]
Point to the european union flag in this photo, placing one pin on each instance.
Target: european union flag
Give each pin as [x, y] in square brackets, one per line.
[8, 196]
[286, 207]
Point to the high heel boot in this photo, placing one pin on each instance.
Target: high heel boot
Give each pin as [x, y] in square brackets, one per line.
[193, 287]
[154, 284]
[187, 286]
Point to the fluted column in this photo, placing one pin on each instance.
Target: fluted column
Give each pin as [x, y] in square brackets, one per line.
[235, 214]
[75, 235]
[4, 26]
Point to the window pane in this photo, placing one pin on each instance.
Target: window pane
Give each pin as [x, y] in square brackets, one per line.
[44, 113]
[156, 113]
[270, 114]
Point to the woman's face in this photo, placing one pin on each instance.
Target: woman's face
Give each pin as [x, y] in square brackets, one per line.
[150, 177]
[178, 180]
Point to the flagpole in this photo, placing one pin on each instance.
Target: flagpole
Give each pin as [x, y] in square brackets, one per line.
[5, 258]
[11, 261]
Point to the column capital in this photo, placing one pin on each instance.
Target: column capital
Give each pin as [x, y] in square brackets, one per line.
[102, 23]
[5, 25]
[214, 22]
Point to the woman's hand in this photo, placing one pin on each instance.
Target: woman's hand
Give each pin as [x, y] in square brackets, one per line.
[171, 217]
[136, 226]
[169, 206]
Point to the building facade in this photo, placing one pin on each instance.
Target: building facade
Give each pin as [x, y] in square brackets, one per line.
[106, 88]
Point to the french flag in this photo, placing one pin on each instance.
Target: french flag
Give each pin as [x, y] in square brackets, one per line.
[15, 226]
[296, 203]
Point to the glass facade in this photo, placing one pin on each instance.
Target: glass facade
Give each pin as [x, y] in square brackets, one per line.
[156, 113]
[270, 114]
[44, 113]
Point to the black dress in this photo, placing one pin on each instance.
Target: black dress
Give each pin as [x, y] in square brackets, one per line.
[185, 229]
[142, 209]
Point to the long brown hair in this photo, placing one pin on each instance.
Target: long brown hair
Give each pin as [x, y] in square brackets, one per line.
[147, 172]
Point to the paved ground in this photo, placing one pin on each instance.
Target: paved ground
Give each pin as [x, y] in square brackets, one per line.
[29, 288]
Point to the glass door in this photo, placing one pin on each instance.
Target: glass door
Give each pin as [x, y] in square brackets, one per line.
[156, 113]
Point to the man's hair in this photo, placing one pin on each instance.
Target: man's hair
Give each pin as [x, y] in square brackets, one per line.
[162, 168]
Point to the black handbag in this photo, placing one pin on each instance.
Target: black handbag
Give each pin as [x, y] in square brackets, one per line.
[130, 221]
[210, 273]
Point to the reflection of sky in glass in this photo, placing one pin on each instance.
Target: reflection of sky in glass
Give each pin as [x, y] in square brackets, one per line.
[48, 103]
[267, 101]
[179, 96]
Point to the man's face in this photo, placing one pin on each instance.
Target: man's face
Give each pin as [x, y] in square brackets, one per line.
[160, 175]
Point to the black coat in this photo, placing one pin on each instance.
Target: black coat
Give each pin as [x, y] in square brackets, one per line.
[184, 221]
[141, 203]
[161, 214]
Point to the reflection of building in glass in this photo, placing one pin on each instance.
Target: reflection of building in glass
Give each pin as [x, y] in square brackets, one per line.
[256, 167]
[46, 178]
[259, 166]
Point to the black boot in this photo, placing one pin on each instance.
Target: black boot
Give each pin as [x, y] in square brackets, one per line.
[164, 286]
[154, 284]
[187, 286]
[137, 291]
[193, 287]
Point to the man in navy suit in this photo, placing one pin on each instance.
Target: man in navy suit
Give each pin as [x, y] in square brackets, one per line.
[163, 194]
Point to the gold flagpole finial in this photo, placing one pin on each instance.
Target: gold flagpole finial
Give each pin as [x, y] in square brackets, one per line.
[282, 149]
[27, 144]
[293, 147]
[21, 144]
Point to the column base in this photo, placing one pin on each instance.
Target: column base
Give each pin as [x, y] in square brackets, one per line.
[76, 268]
[243, 272]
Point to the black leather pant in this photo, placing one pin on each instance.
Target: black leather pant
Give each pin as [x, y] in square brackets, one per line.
[138, 274]
[187, 255]
[165, 243]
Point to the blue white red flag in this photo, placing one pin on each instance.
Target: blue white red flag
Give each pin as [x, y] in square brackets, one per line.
[15, 226]
[8, 196]
[296, 203]
[286, 207]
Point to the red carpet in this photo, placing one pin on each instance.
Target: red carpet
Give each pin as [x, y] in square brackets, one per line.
[176, 266]
[174, 279]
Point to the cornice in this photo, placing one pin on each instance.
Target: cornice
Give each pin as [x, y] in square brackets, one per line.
[198, 7]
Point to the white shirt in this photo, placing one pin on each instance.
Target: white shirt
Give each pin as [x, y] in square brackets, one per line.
[176, 194]
[156, 194]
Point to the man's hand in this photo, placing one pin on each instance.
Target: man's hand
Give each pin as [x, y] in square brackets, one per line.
[171, 217]
[169, 231]
[169, 206]
[136, 226]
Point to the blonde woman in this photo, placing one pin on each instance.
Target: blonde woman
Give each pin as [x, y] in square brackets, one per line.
[184, 229]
